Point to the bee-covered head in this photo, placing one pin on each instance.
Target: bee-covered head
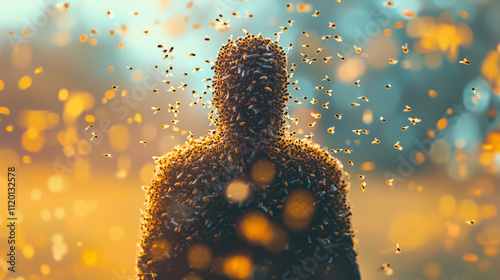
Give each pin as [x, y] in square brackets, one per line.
[250, 84]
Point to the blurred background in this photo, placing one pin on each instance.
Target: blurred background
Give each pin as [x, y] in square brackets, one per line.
[67, 65]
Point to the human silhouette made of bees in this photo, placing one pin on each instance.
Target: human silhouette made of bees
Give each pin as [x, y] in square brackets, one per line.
[248, 201]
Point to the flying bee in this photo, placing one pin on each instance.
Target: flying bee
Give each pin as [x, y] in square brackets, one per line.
[156, 109]
[331, 130]
[465, 61]
[357, 49]
[337, 38]
[143, 142]
[376, 141]
[89, 127]
[405, 48]
[398, 248]
[107, 155]
[397, 146]
[470, 222]
[414, 121]
[94, 136]
[393, 61]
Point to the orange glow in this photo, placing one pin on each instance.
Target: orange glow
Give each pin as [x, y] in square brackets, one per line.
[351, 70]
[367, 166]
[399, 24]
[409, 13]
[263, 172]
[469, 257]
[442, 123]
[304, 8]
[256, 228]
[93, 42]
[299, 210]
[237, 191]
[89, 257]
[238, 267]
[442, 35]
[199, 257]
[24, 82]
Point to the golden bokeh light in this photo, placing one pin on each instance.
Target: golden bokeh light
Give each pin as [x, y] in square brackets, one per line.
[256, 228]
[263, 172]
[56, 183]
[25, 82]
[351, 69]
[238, 267]
[63, 94]
[28, 251]
[441, 34]
[119, 137]
[89, 257]
[199, 257]
[45, 269]
[470, 257]
[298, 210]
[238, 191]
[4, 111]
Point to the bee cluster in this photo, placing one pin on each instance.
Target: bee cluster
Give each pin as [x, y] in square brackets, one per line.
[294, 205]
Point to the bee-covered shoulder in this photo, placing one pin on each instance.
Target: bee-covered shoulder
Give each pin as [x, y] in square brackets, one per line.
[314, 153]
